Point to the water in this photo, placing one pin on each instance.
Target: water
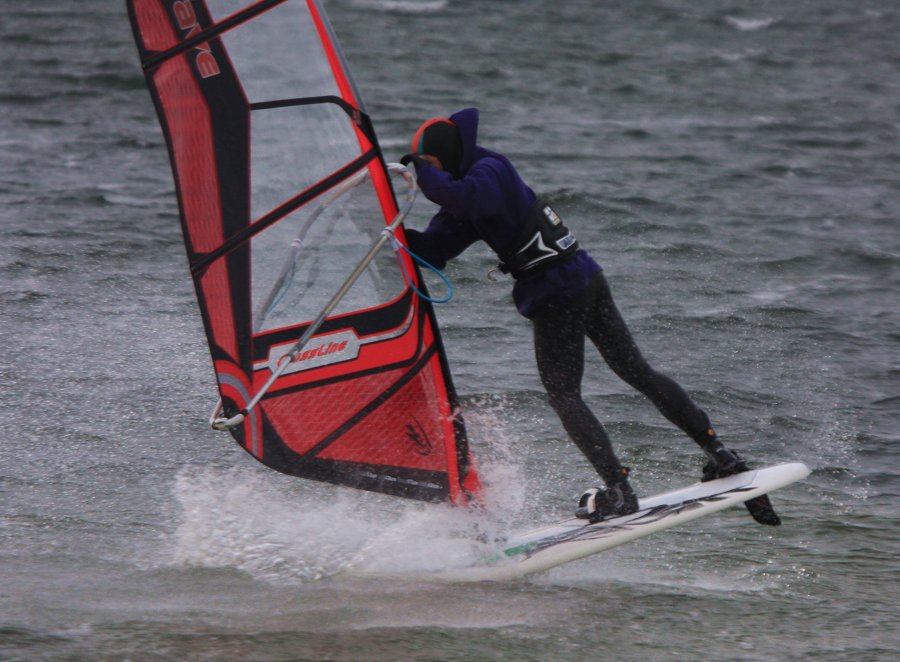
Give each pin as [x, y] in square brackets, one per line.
[734, 170]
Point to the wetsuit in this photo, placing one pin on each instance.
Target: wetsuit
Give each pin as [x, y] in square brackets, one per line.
[560, 328]
[485, 199]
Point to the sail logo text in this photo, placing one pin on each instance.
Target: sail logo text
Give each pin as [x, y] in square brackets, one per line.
[334, 348]
[322, 350]
[187, 21]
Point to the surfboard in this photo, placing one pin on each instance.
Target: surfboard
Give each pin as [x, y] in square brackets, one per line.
[572, 539]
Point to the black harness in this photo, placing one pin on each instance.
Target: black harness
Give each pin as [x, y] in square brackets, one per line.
[543, 242]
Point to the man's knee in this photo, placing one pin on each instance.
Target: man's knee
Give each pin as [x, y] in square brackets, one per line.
[563, 400]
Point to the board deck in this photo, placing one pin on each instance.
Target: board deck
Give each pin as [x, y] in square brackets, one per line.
[572, 539]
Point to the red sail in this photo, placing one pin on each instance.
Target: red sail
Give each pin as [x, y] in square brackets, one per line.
[282, 188]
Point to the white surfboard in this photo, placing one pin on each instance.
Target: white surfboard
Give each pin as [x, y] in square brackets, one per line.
[550, 546]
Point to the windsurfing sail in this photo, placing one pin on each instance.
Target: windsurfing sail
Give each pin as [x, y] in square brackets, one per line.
[283, 192]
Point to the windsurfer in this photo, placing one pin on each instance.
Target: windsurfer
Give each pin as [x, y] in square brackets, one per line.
[561, 289]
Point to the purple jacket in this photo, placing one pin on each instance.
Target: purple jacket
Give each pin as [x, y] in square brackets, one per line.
[490, 202]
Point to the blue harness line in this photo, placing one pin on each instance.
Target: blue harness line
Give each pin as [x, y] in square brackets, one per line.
[398, 246]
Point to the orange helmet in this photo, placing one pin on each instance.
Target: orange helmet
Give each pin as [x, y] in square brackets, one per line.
[440, 137]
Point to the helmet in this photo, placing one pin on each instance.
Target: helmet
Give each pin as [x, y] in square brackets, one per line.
[440, 137]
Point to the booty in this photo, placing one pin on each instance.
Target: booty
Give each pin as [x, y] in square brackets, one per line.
[615, 500]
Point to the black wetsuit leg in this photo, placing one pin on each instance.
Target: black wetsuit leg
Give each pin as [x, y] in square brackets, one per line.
[608, 331]
[559, 332]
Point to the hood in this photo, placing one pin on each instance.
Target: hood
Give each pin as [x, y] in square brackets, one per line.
[467, 121]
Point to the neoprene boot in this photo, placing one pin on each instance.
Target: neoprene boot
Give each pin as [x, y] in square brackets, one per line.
[615, 500]
[721, 463]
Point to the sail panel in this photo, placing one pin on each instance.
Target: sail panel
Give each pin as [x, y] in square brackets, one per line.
[282, 189]
[278, 55]
[283, 138]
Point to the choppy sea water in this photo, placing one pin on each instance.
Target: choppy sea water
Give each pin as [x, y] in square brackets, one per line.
[733, 168]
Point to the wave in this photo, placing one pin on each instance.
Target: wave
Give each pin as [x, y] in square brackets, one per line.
[403, 6]
[284, 531]
[750, 24]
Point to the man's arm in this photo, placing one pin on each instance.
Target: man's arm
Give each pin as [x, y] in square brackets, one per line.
[443, 239]
[475, 196]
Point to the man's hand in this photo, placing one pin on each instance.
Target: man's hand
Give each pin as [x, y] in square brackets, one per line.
[406, 159]
[420, 159]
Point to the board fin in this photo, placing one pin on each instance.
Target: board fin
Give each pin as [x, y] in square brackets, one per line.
[761, 510]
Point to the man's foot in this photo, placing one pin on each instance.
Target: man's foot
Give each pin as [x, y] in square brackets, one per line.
[722, 463]
[615, 500]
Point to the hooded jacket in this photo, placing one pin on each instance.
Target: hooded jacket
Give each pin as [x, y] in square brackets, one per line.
[489, 202]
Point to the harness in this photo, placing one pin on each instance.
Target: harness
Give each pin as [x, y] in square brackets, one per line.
[543, 242]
